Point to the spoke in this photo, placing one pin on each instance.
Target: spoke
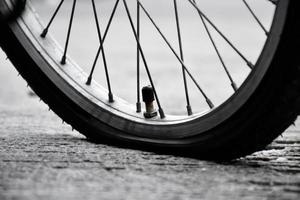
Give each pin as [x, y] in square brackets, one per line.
[273, 1]
[63, 60]
[138, 104]
[161, 112]
[110, 95]
[188, 106]
[249, 64]
[233, 84]
[255, 17]
[100, 49]
[210, 104]
[45, 31]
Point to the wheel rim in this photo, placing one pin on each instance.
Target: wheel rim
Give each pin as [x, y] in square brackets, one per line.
[120, 109]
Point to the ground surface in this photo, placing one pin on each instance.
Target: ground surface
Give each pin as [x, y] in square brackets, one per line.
[41, 158]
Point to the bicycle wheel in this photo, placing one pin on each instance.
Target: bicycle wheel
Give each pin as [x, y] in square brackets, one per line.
[236, 104]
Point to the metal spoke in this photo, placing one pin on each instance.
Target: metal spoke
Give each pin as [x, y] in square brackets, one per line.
[63, 60]
[160, 110]
[45, 31]
[188, 106]
[273, 1]
[210, 104]
[110, 95]
[249, 64]
[138, 102]
[255, 17]
[233, 84]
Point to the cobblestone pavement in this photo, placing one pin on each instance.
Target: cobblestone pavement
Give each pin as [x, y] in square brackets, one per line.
[40, 158]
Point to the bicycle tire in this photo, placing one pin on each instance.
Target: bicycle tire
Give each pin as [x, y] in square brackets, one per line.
[268, 111]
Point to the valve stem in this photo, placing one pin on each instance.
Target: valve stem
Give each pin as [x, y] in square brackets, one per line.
[148, 98]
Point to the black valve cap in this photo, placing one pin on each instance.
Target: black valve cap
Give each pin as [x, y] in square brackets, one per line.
[148, 95]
